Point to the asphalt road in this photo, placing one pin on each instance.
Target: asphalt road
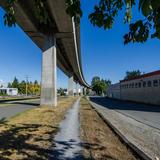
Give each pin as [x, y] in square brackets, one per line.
[147, 114]
[10, 109]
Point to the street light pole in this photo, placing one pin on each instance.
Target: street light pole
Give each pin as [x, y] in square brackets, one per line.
[26, 85]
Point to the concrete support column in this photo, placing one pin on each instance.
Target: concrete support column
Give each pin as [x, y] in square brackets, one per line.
[84, 91]
[80, 90]
[76, 89]
[70, 86]
[49, 73]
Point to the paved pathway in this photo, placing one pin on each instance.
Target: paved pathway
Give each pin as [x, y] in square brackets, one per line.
[131, 122]
[67, 141]
[10, 109]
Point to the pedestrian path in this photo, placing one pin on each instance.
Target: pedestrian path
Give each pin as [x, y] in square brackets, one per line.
[67, 141]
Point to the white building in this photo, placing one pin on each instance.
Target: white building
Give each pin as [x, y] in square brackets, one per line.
[144, 88]
[113, 91]
[9, 91]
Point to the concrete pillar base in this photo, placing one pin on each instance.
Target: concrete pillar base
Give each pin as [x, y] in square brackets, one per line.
[49, 74]
[71, 86]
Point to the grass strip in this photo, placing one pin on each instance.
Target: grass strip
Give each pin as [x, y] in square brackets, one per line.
[29, 135]
[100, 142]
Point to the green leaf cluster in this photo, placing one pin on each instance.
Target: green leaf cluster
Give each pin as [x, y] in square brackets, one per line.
[9, 18]
[73, 8]
[105, 12]
[100, 85]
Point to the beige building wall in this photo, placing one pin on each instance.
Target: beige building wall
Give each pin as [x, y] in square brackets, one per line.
[146, 94]
[113, 91]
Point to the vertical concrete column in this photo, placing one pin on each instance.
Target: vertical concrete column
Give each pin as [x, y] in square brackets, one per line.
[80, 90]
[77, 93]
[84, 91]
[49, 73]
[70, 86]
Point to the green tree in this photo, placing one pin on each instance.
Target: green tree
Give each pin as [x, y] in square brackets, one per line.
[9, 85]
[62, 91]
[94, 80]
[36, 88]
[15, 83]
[22, 87]
[132, 74]
[100, 85]
[104, 15]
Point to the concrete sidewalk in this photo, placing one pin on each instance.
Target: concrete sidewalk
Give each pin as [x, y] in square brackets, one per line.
[143, 138]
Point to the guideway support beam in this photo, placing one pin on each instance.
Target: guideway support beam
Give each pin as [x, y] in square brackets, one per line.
[49, 73]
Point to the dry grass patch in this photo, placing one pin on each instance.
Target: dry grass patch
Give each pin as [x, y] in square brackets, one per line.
[99, 140]
[29, 136]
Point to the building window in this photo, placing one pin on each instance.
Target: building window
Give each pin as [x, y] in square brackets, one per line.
[155, 83]
[139, 84]
[144, 84]
[149, 83]
[136, 85]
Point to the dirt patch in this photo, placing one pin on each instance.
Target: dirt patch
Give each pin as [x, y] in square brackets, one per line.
[99, 140]
[29, 136]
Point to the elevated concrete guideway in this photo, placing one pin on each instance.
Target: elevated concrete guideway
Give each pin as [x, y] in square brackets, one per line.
[64, 37]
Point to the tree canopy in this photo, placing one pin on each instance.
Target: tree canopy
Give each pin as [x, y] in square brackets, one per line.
[99, 85]
[104, 15]
[132, 74]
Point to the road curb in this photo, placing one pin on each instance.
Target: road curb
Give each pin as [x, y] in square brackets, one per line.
[132, 146]
[18, 99]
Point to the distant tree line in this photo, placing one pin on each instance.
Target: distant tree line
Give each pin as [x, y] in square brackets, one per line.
[62, 91]
[100, 85]
[33, 88]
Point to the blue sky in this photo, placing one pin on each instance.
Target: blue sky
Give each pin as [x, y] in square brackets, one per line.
[103, 52]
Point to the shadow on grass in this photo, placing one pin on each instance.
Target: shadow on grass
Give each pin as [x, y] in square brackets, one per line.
[91, 147]
[59, 154]
[15, 137]
[3, 121]
[66, 151]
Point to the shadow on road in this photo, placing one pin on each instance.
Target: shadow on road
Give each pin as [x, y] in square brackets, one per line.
[124, 105]
[27, 103]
